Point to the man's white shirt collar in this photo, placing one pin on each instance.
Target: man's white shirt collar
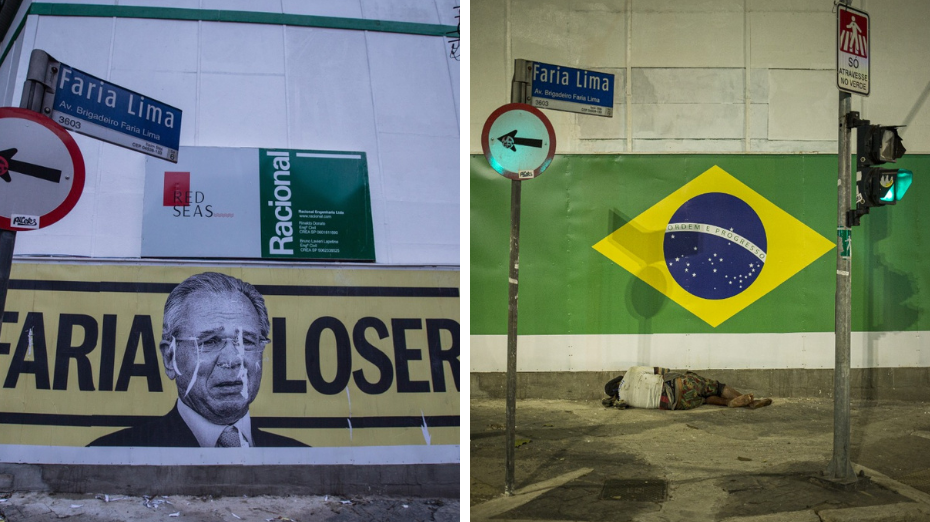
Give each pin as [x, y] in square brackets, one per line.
[208, 433]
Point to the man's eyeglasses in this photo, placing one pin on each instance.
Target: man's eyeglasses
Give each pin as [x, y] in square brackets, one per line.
[215, 343]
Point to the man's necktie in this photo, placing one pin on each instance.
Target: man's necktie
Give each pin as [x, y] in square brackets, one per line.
[229, 438]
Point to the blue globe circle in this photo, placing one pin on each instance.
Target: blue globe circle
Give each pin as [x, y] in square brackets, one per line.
[715, 246]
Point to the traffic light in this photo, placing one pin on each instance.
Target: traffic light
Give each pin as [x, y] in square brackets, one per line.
[884, 186]
[877, 145]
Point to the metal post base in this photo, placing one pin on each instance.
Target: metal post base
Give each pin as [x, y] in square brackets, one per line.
[855, 483]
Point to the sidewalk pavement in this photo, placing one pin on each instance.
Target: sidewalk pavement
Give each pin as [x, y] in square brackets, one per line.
[580, 461]
[44, 507]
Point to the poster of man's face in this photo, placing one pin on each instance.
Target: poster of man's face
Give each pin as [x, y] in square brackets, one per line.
[215, 354]
[214, 333]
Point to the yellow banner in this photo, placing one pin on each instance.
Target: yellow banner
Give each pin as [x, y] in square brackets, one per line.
[353, 357]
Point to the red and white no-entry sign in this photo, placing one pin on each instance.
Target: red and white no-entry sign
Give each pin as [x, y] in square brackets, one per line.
[852, 50]
[41, 170]
[518, 141]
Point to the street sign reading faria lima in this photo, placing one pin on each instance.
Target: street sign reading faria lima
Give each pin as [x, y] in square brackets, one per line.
[89, 105]
[568, 89]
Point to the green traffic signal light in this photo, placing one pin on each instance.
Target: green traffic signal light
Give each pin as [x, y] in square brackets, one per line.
[901, 181]
[881, 187]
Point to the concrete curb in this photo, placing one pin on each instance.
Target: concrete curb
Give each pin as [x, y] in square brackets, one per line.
[788, 516]
[909, 512]
[522, 496]
[894, 485]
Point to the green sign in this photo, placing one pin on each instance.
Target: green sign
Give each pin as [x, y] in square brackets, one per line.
[315, 205]
[844, 242]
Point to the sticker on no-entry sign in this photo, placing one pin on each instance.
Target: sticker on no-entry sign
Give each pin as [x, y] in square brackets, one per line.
[41, 170]
[518, 141]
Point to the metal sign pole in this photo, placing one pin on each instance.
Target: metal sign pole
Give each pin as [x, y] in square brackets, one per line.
[33, 94]
[839, 472]
[7, 242]
[840, 469]
[517, 95]
[515, 187]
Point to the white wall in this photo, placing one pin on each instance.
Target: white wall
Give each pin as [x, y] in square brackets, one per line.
[705, 75]
[610, 352]
[393, 96]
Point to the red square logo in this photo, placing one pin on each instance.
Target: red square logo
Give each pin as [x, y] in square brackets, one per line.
[177, 189]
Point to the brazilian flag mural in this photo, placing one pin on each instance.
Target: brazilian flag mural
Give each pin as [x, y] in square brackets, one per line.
[730, 243]
[714, 246]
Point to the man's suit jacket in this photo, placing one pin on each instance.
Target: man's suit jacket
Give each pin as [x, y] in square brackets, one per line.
[171, 431]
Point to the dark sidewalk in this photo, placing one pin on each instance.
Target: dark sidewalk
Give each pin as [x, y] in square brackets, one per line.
[707, 464]
[45, 507]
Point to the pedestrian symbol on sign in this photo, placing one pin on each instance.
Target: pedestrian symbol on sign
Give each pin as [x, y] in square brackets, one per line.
[854, 39]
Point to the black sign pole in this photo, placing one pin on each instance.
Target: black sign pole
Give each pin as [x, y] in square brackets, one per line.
[7, 242]
[33, 95]
[517, 95]
[512, 333]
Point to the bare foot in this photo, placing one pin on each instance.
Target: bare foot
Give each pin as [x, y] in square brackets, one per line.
[759, 403]
[742, 400]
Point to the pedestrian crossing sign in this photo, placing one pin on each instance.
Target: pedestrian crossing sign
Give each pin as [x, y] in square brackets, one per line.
[852, 50]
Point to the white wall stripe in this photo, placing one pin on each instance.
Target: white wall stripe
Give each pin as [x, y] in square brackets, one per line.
[815, 350]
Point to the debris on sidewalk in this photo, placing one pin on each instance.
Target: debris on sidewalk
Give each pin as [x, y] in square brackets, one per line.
[106, 498]
[153, 503]
[51, 507]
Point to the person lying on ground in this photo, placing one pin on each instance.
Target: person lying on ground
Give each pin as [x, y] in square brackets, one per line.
[660, 388]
